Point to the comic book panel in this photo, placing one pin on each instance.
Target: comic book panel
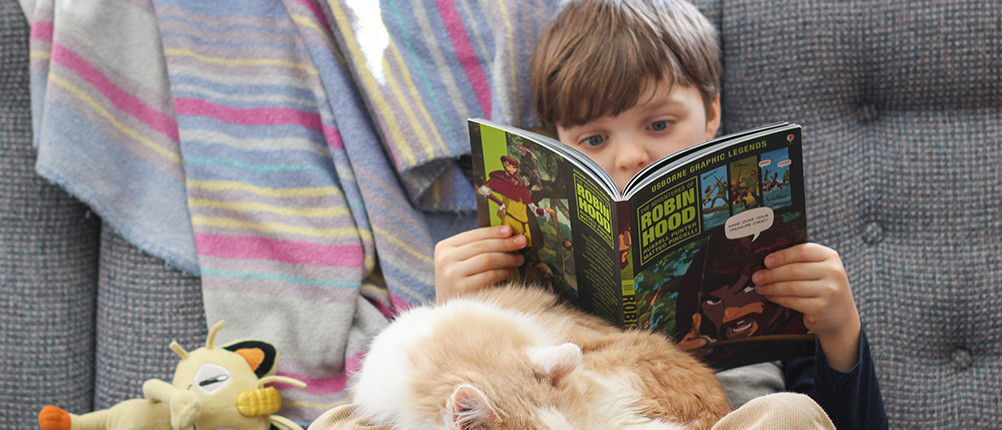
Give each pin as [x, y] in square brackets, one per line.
[776, 190]
[715, 202]
[550, 258]
[744, 185]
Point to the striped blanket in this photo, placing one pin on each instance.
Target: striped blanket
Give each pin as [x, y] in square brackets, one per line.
[282, 150]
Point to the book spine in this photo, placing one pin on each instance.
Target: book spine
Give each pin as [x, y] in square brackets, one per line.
[479, 172]
[625, 242]
[594, 238]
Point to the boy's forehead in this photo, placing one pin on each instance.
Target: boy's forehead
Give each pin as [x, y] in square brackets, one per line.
[662, 96]
[669, 92]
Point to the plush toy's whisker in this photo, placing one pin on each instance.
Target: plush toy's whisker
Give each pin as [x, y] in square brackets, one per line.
[179, 350]
[284, 422]
[212, 334]
[282, 379]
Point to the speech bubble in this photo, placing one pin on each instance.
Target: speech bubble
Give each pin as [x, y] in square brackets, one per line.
[751, 222]
[784, 163]
[764, 163]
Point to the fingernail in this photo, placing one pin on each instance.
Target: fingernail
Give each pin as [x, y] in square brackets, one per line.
[769, 261]
[520, 240]
[506, 230]
[757, 277]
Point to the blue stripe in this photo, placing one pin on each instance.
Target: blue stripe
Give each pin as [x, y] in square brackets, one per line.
[416, 64]
[284, 278]
[239, 44]
[257, 167]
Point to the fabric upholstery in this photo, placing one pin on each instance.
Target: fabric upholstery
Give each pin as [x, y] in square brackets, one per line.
[141, 307]
[48, 260]
[901, 103]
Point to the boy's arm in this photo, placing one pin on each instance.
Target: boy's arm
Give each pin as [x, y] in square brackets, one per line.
[810, 278]
[851, 399]
[476, 259]
[841, 378]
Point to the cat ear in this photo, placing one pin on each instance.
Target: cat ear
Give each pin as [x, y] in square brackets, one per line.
[471, 409]
[557, 361]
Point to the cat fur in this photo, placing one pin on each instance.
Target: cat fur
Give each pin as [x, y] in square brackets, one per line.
[513, 357]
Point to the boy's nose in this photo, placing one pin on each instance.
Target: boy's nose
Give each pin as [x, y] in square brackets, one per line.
[632, 156]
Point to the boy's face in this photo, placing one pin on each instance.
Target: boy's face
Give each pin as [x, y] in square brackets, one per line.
[668, 119]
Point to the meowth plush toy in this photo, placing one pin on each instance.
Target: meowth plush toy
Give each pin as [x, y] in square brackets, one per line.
[213, 388]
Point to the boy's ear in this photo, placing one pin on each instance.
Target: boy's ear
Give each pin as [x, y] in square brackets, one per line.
[261, 356]
[713, 118]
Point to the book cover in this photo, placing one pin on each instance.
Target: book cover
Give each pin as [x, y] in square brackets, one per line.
[675, 251]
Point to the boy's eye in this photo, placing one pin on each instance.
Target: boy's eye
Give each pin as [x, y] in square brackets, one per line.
[595, 140]
[661, 125]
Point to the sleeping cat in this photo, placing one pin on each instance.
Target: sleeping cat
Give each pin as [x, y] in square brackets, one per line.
[512, 357]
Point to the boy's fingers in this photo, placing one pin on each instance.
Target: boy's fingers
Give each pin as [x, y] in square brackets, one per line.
[790, 272]
[460, 271]
[789, 289]
[805, 305]
[488, 245]
[477, 234]
[509, 244]
[493, 261]
[483, 279]
[805, 252]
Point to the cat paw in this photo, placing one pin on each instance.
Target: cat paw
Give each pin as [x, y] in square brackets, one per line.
[185, 408]
[54, 418]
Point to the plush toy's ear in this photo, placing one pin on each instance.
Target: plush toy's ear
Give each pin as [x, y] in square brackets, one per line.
[261, 356]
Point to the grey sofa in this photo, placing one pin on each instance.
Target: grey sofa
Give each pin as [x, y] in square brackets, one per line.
[901, 103]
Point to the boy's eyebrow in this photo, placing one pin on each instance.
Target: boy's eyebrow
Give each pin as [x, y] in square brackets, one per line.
[664, 102]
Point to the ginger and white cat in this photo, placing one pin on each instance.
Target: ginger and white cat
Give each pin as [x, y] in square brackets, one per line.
[513, 358]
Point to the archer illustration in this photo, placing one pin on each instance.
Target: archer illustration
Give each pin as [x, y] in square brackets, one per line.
[514, 199]
[721, 193]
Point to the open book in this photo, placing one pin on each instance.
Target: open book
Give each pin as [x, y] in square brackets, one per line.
[672, 253]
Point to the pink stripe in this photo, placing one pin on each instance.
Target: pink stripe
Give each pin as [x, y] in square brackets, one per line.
[464, 51]
[333, 137]
[331, 133]
[258, 248]
[332, 384]
[123, 100]
[317, 13]
[384, 308]
[354, 363]
[41, 30]
[400, 305]
[250, 116]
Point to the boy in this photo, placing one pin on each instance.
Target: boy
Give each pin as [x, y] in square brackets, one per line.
[628, 82]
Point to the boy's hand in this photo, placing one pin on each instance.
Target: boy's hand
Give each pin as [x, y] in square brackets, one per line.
[476, 259]
[810, 278]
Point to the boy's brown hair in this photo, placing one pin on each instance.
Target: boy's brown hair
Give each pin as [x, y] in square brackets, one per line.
[597, 57]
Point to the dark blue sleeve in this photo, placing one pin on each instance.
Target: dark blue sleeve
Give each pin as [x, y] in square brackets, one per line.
[851, 399]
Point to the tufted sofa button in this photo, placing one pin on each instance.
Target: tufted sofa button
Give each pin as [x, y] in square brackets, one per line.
[960, 359]
[867, 113]
[873, 233]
